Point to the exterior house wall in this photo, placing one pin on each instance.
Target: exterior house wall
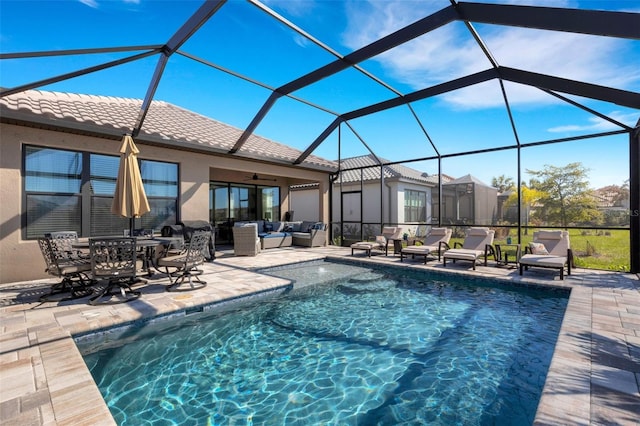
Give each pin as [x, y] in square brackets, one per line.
[370, 203]
[392, 206]
[401, 187]
[21, 259]
[305, 204]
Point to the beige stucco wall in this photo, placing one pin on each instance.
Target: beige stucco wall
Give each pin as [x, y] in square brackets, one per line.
[21, 260]
[393, 207]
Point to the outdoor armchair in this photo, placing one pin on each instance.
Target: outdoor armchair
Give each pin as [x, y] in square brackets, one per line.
[549, 249]
[437, 240]
[477, 243]
[245, 240]
[73, 270]
[186, 263]
[113, 265]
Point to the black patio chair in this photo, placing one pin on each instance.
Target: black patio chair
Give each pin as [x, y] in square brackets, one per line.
[64, 243]
[113, 262]
[186, 263]
[73, 270]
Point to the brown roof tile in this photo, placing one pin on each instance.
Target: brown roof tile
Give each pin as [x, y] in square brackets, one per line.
[164, 122]
[372, 171]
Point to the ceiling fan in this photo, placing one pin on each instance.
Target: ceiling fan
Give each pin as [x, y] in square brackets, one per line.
[256, 177]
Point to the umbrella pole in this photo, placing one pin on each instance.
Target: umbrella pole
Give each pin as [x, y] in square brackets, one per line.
[132, 225]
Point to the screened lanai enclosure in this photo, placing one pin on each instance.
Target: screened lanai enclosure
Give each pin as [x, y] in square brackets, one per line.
[437, 113]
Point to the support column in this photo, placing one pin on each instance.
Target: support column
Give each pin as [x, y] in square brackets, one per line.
[634, 197]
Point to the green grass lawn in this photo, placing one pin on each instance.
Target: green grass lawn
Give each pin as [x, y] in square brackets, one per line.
[593, 249]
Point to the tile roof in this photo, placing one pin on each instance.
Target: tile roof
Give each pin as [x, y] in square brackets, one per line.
[165, 124]
[467, 179]
[392, 171]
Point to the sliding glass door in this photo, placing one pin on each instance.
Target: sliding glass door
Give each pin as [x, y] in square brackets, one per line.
[234, 202]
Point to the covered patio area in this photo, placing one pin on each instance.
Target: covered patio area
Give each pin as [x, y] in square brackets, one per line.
[593, 378]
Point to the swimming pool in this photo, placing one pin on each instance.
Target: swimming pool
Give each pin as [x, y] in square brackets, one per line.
[364, 346]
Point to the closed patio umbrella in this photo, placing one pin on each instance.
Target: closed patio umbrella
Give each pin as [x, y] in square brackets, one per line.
[129, 199]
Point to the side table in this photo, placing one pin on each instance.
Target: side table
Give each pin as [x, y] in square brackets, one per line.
[397, 245]
[505, 256]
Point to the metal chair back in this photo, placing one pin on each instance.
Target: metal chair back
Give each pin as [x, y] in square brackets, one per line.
[64, 241]
[113, 258]
[195, 251]
[73, 271]
[49, 257]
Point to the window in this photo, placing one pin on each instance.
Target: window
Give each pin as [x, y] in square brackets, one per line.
[415, 206]
[230, 202]
[72, 190]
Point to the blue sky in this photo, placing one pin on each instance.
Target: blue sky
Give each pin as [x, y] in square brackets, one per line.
[242, 38]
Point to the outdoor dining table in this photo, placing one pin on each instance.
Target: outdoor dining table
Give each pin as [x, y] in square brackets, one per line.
[147, 246]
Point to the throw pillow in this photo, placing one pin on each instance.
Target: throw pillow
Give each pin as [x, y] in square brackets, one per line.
[538, 248]
[380, 239]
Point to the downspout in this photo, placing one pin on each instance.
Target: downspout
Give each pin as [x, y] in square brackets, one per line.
[388, 200]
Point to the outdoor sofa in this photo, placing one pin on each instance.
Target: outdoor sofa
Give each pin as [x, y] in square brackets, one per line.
[286, 234]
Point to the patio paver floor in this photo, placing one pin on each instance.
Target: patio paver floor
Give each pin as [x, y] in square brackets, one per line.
[594, 377]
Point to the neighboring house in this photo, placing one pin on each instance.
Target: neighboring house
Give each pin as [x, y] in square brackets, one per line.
[360, 199]
[468, 200]
[59, 159]
[406, 198]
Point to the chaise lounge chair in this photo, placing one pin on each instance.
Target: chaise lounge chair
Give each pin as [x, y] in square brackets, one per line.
[549, 249]
[382, 242]
[437, 240]
[477, 242]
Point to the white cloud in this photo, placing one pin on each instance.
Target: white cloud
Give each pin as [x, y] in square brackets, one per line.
[90, 3]
[450, 52]
[597, 124]
[292, 8]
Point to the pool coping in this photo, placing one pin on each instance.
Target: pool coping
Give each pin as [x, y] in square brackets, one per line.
[48, 382]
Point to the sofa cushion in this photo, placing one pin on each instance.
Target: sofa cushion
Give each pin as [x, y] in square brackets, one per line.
[274, 235]
[303, 235]
[291, 226]
[306, 226]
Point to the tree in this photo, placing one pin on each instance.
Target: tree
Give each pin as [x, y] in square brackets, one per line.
[567, 198]
[502, 183]
[529, 197]
[615, 195]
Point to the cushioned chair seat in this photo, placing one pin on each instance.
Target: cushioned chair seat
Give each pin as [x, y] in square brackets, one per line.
[477, 243]
[464, 254]
[367, 246]
[543, 260]
[556, 253]
[435, 242]
[172, 261]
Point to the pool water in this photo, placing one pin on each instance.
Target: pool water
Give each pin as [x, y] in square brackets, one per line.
[363, 347]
